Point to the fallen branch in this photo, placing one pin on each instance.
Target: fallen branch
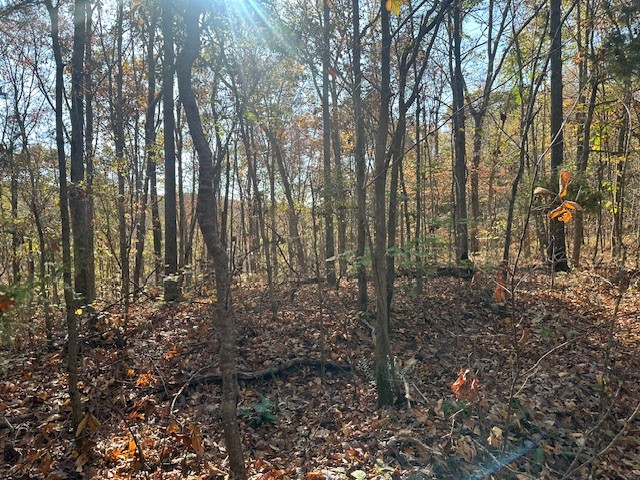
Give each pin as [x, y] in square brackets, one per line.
[266, 374]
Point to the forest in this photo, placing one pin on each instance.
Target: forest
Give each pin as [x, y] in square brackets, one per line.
[319, 239]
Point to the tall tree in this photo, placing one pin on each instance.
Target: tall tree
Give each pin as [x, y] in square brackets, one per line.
[460, 226]
[171, 285]
[360, 161]
[65, 221]
[79, 191]
[557, 253]
[328, 187]
[387, 385]
[206, 210]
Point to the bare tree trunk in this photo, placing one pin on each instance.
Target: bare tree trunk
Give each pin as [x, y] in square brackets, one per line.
[328, 187]
[72, 323]
[171, 284]
[460, 162]
[149, 146]
[122, 166]
[340, 197]
[557, 253]
[294, 232]
[79, 192]
[206, 209]
[387, 385]
[359, 154]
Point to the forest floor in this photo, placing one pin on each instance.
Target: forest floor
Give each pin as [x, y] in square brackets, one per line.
[557, 394]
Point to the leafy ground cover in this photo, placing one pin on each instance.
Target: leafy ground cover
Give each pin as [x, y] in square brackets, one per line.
[557, 392]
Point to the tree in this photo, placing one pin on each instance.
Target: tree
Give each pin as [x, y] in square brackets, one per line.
[80, 187]
[171, 285]
[460, 220]
[387, 385]
[206, 209]
[328, 187]
[360, 161]
[557, 254]
[65, 222]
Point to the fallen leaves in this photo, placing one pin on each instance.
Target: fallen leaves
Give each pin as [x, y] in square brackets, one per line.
[331, 429]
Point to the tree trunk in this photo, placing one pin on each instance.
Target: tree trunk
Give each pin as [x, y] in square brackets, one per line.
[387, 385]
[149, 146]
[122, 166]
[557, 253]
[171, 284]
[340, 197]
[328, 187]
[359, 154]
[79, 192]
[294, 233]
[460, 162]
[72, 323]
[206, 211]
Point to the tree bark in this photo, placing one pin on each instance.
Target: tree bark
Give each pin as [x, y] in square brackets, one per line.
[65, 221]
[171, 284]
[206, 210]
[557, 253]
[360, 160]
[460, 162]
[328, 187]
[79, 192]
[387, 386]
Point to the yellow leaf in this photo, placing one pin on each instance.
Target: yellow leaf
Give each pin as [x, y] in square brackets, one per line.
[79, 311]
[564, 183]
[394, 6]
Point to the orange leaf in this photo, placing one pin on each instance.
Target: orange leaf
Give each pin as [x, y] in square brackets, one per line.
[556, 212]
[315, 476]
[196, 441]
[459, 383]
[466, 386]
[565, 217]
[171, 353]
[569, 205]
[564, 183]
[145, 379]
[6, 304]
[500, 294]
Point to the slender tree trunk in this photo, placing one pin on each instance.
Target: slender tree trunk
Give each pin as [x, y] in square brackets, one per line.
[557, 253]
[72, 323]
[171, 284]
[206, 211]
[622, 157]
[387, 385]
[122, 166]
[340, 197]
[460, 162]
[328, 187]
[359, 154]
[294, 231]
[79, 192]
[584, 136]
[149, 146]
[16, 236]
[89, 149]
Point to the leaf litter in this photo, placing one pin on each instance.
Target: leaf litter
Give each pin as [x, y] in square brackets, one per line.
[524, 398]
